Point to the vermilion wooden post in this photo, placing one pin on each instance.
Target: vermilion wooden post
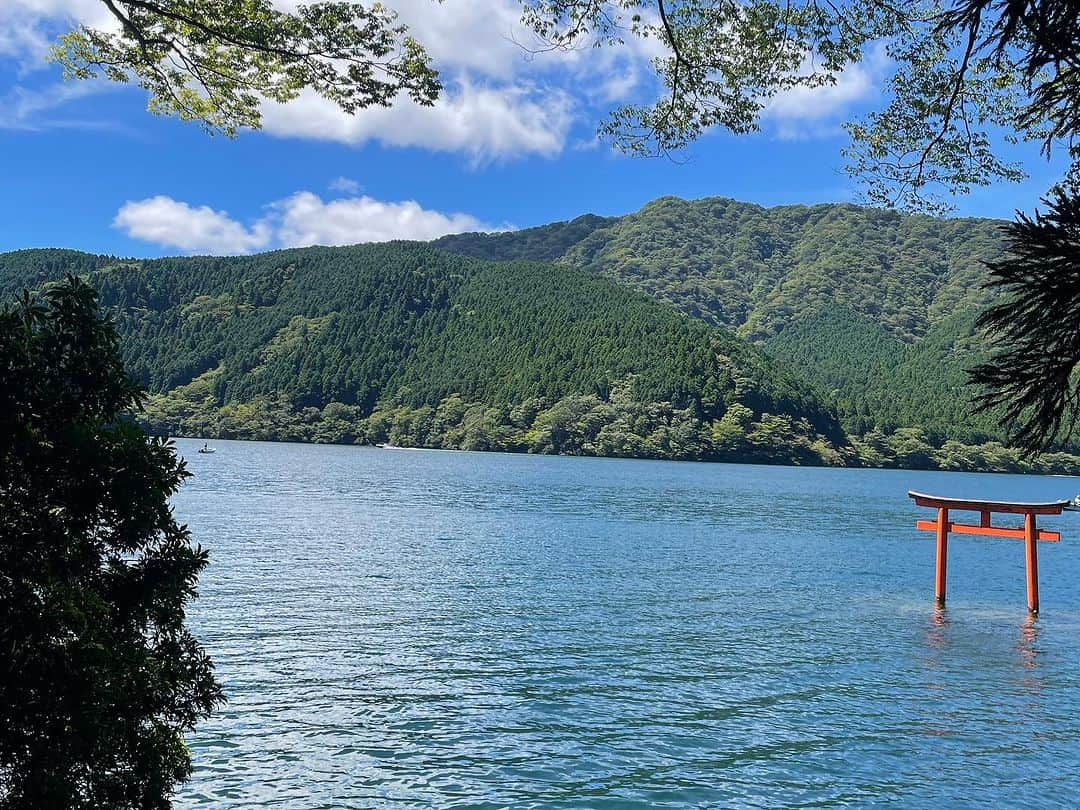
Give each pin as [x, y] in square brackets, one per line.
[1031, 535]
[942, 554]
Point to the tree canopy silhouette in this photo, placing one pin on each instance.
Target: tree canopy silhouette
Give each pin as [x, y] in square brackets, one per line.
[99, 677]
[1037, 327]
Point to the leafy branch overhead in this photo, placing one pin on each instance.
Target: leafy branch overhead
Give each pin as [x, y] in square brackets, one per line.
[722, 61]
[216, 62]
[962, 77]
[959, 75]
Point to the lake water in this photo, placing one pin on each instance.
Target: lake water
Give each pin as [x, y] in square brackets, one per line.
[426, 628]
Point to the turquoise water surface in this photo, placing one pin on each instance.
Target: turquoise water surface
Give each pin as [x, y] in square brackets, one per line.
[427, 628]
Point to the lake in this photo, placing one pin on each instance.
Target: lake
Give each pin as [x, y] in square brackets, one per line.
[429, 628]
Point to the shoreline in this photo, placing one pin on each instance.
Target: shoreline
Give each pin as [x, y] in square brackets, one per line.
[743, 461]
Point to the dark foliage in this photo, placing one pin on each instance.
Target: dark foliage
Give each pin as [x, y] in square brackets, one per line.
[99, 679]
[1038, 328]
[878, 381]
[1036, 331]
[1043, 38]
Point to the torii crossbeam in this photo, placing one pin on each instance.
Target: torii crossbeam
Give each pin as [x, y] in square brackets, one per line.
[1030, 533]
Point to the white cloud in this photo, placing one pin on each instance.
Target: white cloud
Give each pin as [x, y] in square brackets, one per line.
[305, 219]
[23, 39]
[483, 122]
[501, 100]
[301, 219]
[480, 36]
[23, 108]
[29, 27]
[170, 223]
[802, 112]
[346, 185]
[505, 96]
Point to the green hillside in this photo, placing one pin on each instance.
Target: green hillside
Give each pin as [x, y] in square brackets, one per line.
[544, 244]
[758, 269]
[875, 308]
[415, 346]
[877, 380]
[404, 343]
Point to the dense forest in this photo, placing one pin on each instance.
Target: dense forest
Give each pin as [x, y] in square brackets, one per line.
[811, 335]
[405, 343]
[874, 307]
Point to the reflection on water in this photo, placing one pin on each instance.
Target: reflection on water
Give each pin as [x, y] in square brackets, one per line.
[949, 657]
[1029, 651]
[447, 629]
[939, 625]
[1029, 636]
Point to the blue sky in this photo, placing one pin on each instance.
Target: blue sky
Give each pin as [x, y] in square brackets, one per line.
[510, 145]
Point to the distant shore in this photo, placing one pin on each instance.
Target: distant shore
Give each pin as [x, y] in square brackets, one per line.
[1062, 465]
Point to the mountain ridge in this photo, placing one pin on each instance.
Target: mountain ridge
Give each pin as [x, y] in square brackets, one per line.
[408, 340]
[737, 259]
[856, 329]
[762, 271]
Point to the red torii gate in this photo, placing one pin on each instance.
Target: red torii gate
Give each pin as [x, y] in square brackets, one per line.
[1030, 533]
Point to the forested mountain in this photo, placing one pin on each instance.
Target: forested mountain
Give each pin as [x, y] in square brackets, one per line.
[403, 342]
[874, 307]
[863, 322]
[544, 244]
[757, 269]
[877, 380]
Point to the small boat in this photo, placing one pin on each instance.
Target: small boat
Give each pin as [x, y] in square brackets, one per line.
[1073, 505]
[206, 448]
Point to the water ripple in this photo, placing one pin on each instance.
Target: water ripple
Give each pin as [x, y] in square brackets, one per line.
[473, 630]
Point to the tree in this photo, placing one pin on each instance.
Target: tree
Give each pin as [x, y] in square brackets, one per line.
[960, 75]
[1037, 327]
[99, 677]
[216, 62]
